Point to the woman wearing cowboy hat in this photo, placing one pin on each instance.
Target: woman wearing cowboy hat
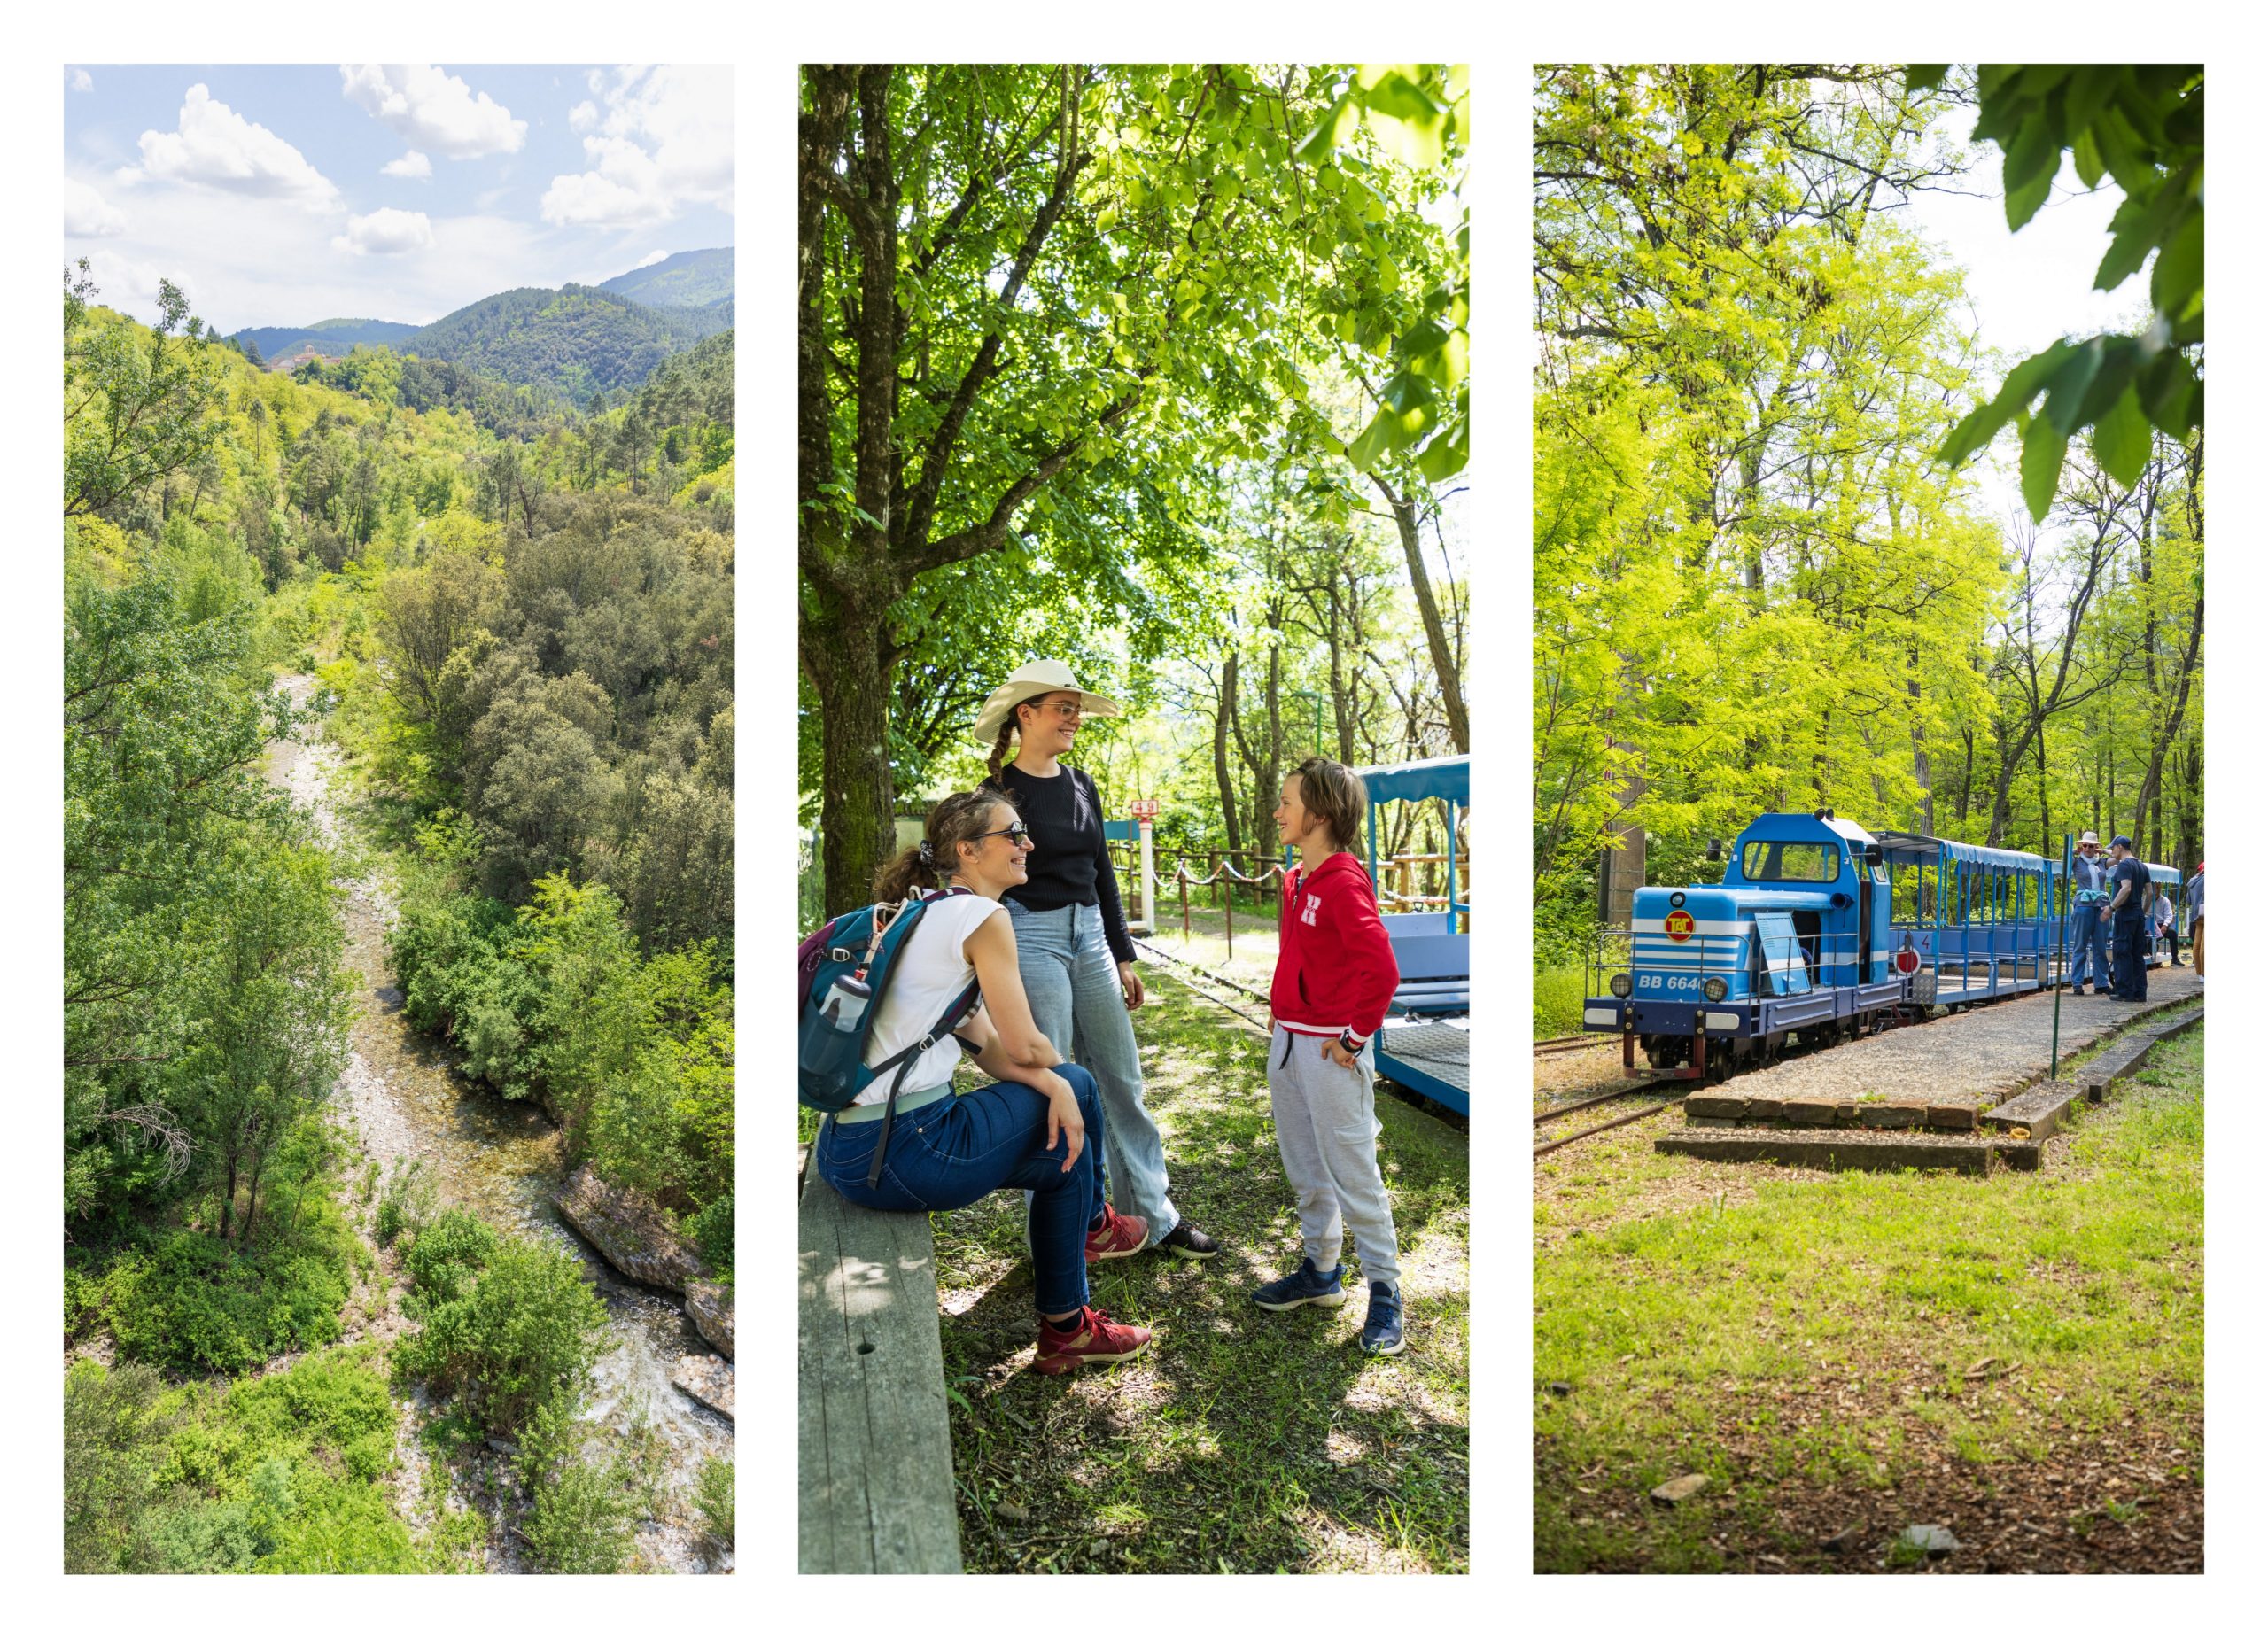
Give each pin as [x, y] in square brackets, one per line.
[1072, 946]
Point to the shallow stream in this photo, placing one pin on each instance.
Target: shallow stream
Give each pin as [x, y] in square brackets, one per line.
[400, 1098]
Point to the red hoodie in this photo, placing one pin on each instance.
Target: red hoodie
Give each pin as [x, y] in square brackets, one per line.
[1334, 964]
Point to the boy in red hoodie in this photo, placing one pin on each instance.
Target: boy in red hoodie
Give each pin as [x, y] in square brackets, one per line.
[1335, 974]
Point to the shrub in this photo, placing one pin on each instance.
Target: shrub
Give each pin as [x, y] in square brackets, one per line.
[407, 1204]
[711, 1228]
[584, 1519]
[196, 1304]
[443, 1257]
[198, 1538]
[713, 1496]
[522, 1338]
[115, 1424]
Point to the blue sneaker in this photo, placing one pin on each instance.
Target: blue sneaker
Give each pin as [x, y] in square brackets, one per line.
[1297, 1290]
[1382, 1327]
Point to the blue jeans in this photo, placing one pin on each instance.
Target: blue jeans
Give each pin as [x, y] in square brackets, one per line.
[2129, 983]
[955, 1152]
[2088, 942]
[1072, 983]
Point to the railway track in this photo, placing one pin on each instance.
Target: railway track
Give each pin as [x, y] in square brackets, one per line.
[1570, 1043]
[1592, 1131]
[1209, 976]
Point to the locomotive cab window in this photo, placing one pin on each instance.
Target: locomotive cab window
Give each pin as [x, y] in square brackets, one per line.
[1790, 861]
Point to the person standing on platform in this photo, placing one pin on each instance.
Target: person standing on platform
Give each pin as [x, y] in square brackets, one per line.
[2129, 886]
[2197, 919]
[2089, 934]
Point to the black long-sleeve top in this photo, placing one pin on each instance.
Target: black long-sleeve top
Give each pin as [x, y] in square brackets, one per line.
[1068, 863]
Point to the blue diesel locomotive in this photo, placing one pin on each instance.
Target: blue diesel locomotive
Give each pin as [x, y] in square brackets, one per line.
[1820, 930]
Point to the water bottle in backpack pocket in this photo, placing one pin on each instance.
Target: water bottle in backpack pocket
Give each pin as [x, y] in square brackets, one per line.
[829, 1053]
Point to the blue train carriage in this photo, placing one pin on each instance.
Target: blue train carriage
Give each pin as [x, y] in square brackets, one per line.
[2162, 951]
[1791, 948]
[1424, 1043]
[1970, 923]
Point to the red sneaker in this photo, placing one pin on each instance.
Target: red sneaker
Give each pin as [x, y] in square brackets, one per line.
[1119, 1236]
[1099, 1341]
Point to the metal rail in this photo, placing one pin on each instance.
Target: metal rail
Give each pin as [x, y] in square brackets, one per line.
[1603, 1097]
[1212, 977]
[1592, 1131]
[1573, 1044]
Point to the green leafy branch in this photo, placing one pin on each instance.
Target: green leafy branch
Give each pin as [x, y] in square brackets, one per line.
[2143, 126]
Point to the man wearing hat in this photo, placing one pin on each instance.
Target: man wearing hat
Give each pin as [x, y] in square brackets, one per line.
[2129, 888]
[2197, 920]
[2088, 937]
[1073, 951]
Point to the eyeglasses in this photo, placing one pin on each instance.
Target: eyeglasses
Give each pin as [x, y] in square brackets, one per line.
[1017, 835]
[1070, 710]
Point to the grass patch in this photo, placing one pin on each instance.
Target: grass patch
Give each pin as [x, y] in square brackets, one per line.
[1846, 1334]
[1558, 1002]
[1244, 1441]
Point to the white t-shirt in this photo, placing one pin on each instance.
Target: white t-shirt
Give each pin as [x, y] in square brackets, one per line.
[931, 973]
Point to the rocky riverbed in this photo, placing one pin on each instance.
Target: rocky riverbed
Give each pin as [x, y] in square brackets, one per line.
[400, 1100]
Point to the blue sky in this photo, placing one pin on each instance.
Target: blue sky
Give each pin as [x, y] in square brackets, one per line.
[282, 195]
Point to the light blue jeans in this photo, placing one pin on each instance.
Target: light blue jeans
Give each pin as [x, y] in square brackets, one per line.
[1072, 983]
[2088, 944]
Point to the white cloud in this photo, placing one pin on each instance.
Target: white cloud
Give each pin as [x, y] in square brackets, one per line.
[664, 141]
[433, 109]
[81, 81]
[87, 214]
[386, 233]
[649, 258]
[129, 286]
[216, 147]
[413, 165]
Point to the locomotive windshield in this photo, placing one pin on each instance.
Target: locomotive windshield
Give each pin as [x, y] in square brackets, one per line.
[1790, 861]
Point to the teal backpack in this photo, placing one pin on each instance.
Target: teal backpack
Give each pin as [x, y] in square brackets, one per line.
[843, 971]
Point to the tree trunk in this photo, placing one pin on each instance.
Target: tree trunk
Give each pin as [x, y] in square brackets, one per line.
[229, 1201]
[1421, 586]
[2163, 739]
[252, 1198]
[842, 655]
[1920, 748]
[1221, 719]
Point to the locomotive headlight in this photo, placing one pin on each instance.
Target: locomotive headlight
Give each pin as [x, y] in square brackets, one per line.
[1620, 985]
[1713, 987]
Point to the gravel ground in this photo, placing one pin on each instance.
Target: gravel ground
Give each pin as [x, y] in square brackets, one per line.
[1975, 1057]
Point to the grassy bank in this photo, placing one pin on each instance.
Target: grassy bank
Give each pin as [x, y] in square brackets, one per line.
[2020, 1358]
[1245, 1440]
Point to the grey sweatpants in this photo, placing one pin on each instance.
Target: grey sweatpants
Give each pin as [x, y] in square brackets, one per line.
[1328, 1129]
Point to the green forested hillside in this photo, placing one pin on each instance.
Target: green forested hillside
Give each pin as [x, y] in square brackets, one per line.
[576, 339]
[331, 337]
[691, 278]
[521, 628]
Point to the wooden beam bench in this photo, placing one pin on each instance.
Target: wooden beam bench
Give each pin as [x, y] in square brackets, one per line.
[2123, 1060]
[875, 1455]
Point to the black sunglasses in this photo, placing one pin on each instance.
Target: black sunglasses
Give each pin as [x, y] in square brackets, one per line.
[1016, 833]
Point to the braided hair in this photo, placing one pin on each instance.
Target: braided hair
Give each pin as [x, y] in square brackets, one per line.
[1011, 727]
[959, 818]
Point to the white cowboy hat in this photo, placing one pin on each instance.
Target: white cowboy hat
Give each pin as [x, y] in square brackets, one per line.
[2086, 840]
[1036, 677]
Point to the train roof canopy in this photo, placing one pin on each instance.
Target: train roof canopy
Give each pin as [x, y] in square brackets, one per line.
[1913, 844]
[1414, 781]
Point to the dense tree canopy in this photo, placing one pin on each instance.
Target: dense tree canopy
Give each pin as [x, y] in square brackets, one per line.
[1046, 316]
[1756, 589]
